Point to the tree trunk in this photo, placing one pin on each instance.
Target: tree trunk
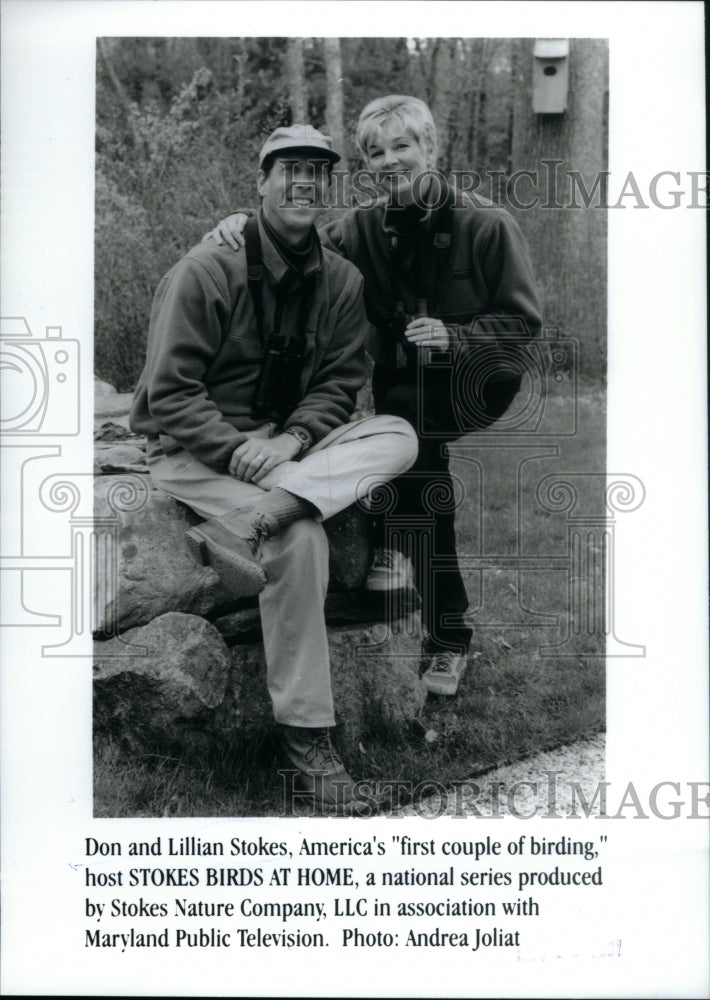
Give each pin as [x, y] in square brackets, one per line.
[334, 94]
[296, 81]
[443, 99]
[478, 57]
[568, 245]
[240, 68]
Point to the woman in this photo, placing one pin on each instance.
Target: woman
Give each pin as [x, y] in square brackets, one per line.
[450, 293]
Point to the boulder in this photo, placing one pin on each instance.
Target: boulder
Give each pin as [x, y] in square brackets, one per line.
[108, 431]
[349, 541]
[374, 673]
[174, 687]
[109, 403]
[102, 390]
[354, 607]
[111, 459]
[375, 676]
[156, 687]
[155, 572]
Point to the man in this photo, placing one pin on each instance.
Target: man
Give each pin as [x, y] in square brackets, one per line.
[449, 289]
[252, 370]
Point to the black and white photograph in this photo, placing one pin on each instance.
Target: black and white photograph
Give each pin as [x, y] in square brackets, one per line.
[354, 540]
[457, 360]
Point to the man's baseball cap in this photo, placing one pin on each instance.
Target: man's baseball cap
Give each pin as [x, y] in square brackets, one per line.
[299, 138]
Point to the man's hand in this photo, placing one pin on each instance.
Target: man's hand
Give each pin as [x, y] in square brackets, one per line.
[229, 231]
[426, 332]
[254, 458]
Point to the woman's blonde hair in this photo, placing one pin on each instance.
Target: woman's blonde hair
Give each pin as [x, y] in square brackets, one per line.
[409, 112]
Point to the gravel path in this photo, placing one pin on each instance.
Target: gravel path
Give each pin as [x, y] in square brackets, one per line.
[526, 788]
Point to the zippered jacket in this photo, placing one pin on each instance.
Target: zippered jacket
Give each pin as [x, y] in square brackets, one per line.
[205, 352]
[486, 290]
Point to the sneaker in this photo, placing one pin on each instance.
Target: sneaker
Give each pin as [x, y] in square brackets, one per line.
[444, 672]
[231, 545]
[390, 570]
[321, 771]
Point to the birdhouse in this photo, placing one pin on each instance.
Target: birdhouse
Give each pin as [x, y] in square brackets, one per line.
[550, 75]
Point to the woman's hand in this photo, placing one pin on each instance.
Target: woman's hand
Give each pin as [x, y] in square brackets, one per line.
[229, 231]
[427, 332]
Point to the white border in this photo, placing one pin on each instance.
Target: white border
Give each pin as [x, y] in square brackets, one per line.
[656, 410]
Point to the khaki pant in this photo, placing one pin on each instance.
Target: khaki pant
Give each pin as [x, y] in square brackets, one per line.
[342, 468]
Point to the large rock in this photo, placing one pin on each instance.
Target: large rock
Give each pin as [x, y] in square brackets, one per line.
[375, 678]
[187, 689]
[375, 675]
[112, 459]
[348, 608]
[156, 687]
[108, 402]
[155, 572]
[101, 391]
[349, 541]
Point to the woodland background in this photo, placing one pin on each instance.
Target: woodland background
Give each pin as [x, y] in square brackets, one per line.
[179, 122]
[179, 125]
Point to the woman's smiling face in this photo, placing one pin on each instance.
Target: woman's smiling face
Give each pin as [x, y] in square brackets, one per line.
[398, 157]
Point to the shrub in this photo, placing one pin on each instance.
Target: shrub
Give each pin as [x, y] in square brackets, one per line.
[159, 186]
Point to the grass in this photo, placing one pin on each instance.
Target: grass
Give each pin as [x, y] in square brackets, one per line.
[514, 699]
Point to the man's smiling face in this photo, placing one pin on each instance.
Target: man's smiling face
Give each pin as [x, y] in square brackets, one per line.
[292, 192]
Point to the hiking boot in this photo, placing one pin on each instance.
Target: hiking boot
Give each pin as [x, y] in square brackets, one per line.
[321, 771]
[232, 545]
[444, 672]
[389, 570]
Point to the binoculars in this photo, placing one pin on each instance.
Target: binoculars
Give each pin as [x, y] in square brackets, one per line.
[278, 388]
[405, 354]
